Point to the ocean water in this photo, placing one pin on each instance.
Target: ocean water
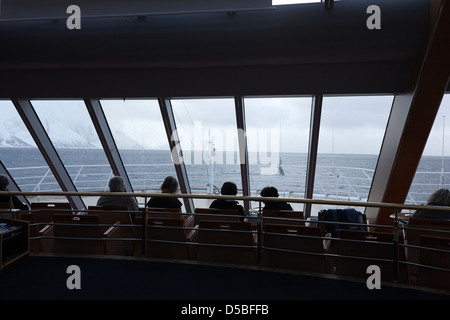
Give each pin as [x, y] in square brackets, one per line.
[337, 175]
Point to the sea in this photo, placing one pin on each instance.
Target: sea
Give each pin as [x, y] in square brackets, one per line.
[338, 176]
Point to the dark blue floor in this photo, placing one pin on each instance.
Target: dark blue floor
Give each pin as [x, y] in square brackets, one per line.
[44, 278]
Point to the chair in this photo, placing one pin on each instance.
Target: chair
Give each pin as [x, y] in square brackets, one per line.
[293, 247]
[80, 234]
[39, 244]
[121, 218]
[168, 238]
[434, 253]
[217, 214]
[284, 217]
[416, 228]
[43, 211]
[333, 220]
[359, 249]
[226, 242]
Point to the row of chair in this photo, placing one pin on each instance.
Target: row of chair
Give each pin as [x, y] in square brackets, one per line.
[284, 240]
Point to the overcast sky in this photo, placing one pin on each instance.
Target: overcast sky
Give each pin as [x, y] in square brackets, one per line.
[348, 124]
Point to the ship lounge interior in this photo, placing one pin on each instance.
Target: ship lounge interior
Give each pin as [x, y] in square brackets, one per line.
[168, 50]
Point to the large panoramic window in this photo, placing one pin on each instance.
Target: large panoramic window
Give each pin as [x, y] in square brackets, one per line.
[351, 133]
[138, 130]
[278, 135]
[72, 133]
[433, 171]
[20, 155]
[208, 136]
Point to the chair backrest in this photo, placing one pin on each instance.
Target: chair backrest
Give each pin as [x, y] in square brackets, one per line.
[434, 252]
[227, 242]
[212, 214]
[418, 227]
[333, 220]
[111, 215]
[293, 247]
[51, 205]
[357, 250]
[44, 211]
[279, 216]
[166, 228]
[80, 228]
[167, 237]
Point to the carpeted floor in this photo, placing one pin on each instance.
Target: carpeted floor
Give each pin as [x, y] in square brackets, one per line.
[44, 278]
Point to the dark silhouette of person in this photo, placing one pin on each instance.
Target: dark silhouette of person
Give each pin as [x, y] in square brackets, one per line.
[169, 185]
[273, 205]
[228, 189]
[16, 203]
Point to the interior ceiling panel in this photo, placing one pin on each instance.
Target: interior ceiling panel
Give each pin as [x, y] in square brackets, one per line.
[301, 45]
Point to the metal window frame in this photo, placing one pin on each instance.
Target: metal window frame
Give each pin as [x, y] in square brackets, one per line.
[105, 135]
[243, 148]
[45, 145]
[175, 147]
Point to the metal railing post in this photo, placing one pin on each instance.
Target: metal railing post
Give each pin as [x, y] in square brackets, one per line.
[259, 235]
[395, 247]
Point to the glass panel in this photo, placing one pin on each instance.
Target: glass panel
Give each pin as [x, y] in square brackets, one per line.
[351, 132]
[433, 171]
[20, 155]
[71, 131]
[278, 136]
[208, 136]
[138, 130]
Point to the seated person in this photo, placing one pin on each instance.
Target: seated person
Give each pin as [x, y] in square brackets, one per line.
[17, 204]
[228, 189]
[273, 205]
[440, 197]
[170, 185]
[116, 184]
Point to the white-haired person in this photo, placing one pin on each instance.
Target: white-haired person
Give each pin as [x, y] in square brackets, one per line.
[116, 184]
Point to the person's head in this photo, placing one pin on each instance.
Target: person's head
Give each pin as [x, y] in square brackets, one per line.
[116, 184]
[4, 182]
[170, 183]
[229, 189]
[269, 192]
[440, 196]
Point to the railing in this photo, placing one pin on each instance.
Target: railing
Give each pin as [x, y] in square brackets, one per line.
[331, 182]
[396, 230]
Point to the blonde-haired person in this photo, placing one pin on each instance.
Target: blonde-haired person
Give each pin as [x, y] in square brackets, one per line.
[440, 197]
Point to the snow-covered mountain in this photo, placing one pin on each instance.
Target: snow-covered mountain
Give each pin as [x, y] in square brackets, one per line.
[63, 135]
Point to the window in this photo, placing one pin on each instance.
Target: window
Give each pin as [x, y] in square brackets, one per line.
[278, 135]
[433, 171]
[73, 135]
[351, 132]
[20, 155]
[140, 136]
[208, 136]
